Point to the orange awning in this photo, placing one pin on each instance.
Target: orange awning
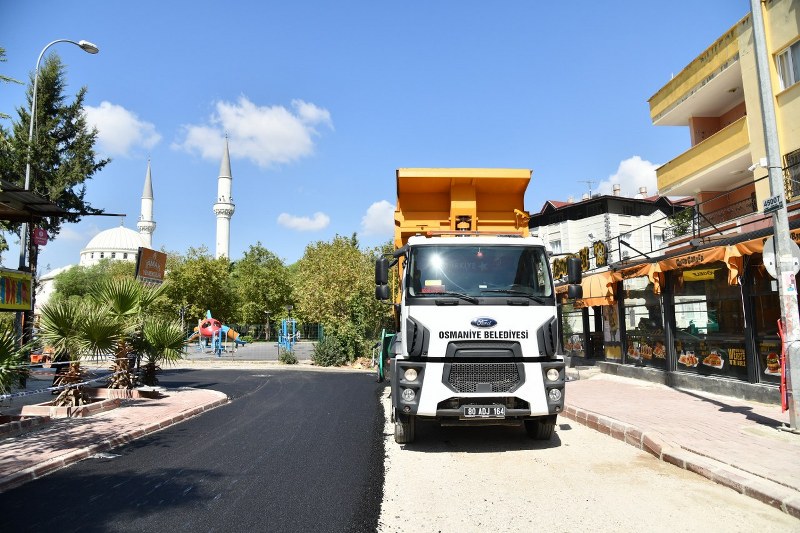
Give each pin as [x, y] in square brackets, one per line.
[598, 289]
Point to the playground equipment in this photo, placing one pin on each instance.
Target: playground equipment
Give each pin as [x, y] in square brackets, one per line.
[212, 332]
[289, 335]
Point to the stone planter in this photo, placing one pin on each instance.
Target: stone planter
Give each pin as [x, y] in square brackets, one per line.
[102, 393]
[48, 409]
[13, 425]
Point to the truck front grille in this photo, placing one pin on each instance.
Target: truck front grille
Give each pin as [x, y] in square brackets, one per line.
[465, 377]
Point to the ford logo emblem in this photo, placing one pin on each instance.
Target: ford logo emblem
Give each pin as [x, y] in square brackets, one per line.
[484, 322]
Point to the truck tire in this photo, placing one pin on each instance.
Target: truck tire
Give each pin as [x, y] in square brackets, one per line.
[404, 428]
[541, 428]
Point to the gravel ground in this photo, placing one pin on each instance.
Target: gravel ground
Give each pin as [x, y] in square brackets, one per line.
[459, 479]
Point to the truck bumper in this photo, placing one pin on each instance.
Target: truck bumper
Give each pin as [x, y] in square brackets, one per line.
[440, 388]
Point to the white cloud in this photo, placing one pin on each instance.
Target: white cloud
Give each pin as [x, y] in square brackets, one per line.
[266, 135]
[631, 174]
[119, 131]
[67, 233]
[317, 222]
[379, 219]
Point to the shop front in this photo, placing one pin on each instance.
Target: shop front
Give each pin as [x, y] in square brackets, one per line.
[706, 319]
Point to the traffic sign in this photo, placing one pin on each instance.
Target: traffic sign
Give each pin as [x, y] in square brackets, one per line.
[39, 236]
[770, 259]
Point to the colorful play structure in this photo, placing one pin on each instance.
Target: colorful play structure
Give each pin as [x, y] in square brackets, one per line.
[210, 332]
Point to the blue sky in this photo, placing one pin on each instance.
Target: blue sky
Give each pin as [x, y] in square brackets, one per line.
[322, 101]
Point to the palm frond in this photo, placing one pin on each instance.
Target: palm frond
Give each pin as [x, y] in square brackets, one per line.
[165, 340]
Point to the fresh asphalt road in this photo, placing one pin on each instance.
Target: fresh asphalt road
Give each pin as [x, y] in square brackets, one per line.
[295, 450]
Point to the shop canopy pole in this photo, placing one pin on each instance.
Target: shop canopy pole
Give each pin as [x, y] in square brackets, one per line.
[787, 286]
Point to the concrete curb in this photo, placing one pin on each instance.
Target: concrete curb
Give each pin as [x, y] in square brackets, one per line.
[774, 494]
[124, 437]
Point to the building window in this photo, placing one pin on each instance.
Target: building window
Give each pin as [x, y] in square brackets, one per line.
[789, 65]
[572, 330]
[91, 256]
[102, 255]
[792, 175]
[555, 246]
[113, 255]
[125, 255]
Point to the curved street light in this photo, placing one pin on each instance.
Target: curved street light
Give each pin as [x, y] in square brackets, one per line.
[86, 46]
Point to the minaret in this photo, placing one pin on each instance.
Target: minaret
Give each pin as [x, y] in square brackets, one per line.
[146, 223]
[224, 207]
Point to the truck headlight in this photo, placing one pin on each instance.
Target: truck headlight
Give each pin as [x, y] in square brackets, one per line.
[410, 374]
[554, 395]
[553, 374]
[409, 394]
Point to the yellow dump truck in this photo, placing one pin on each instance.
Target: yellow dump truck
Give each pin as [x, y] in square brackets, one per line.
[477, 339]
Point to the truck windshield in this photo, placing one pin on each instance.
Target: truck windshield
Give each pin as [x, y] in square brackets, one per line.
[479, 271]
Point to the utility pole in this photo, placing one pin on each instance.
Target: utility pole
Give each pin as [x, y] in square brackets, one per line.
[787, 286]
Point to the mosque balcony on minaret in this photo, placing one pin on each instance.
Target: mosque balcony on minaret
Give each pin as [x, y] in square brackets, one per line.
[146, 226]
[224, 209]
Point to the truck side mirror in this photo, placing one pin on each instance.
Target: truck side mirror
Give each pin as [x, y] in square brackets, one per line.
[381, 271]
[573, 270]
[381, 292]
[574, 292]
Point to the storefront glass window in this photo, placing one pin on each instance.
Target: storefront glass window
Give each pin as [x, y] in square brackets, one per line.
[572, 330]
[766, 312]
[644, 324]
[709, 322]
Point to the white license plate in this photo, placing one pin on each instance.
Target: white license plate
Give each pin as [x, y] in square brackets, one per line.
[483, 411]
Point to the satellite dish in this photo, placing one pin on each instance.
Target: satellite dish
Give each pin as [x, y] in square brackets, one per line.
[770, 260]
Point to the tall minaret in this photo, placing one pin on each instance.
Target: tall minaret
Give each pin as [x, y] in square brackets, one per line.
[224, 207]
[146, 223]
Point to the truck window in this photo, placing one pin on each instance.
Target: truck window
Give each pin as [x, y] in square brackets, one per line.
[478, 270]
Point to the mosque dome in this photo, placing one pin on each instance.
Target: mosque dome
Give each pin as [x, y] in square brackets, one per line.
[120, 243]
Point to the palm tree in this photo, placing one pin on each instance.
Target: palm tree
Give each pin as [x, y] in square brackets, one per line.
[63, 326]
[156, 339]
[13, 359]
[164, 343]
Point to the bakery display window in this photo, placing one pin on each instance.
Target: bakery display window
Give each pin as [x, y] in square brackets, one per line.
[572, 335]
[644, 324]
[766, 312]
[709, 322]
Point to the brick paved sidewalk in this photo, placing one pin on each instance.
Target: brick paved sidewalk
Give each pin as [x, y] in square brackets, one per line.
[65, 441]
[733, 442]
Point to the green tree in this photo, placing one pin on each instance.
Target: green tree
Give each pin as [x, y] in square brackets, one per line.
[199, 283]
[62, 155]
[261, 282]
[5, 79]
[335, 285]
[79, 281]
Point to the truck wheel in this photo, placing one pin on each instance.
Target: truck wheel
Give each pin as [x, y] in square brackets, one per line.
[541, 428]
[404, 428]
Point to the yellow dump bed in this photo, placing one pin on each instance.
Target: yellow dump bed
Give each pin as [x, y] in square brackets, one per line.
[441, 200]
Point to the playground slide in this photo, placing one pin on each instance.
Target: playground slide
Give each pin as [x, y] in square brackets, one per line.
[232, 335]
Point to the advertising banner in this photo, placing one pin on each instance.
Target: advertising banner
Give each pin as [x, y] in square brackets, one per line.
[15, 291]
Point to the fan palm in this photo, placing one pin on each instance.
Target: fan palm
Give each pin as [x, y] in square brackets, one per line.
[12, 360]
[164, 343]
[62, 327]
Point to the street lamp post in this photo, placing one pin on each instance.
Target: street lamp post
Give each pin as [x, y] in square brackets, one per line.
[23, 236]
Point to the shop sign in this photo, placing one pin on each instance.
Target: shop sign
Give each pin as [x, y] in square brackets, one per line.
[600, 254]
[702, 274]
[150, 265]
